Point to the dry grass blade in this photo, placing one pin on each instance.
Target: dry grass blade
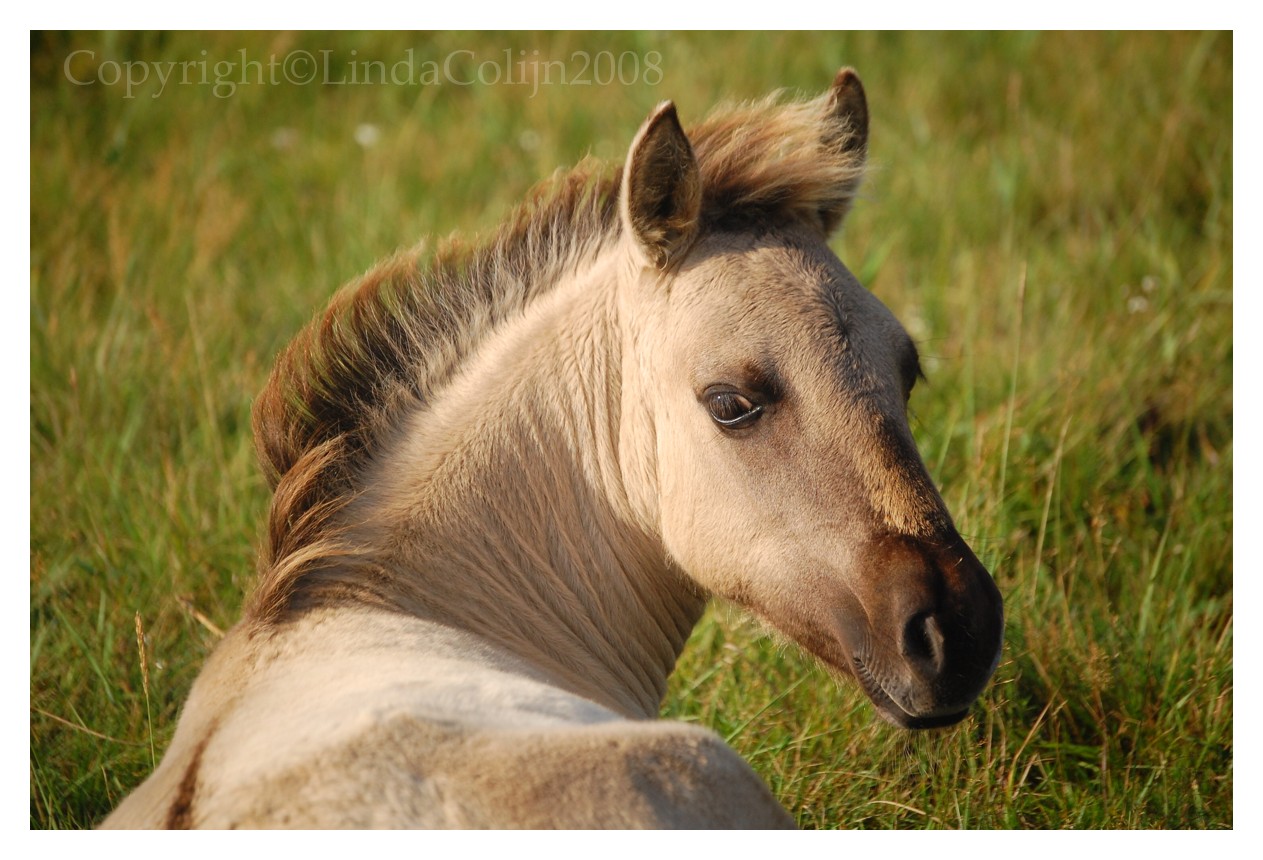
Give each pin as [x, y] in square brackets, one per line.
[144, 679]
[187, 605]
[82, 728]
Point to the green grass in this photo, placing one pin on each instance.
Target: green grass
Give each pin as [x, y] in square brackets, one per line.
[1050, 216]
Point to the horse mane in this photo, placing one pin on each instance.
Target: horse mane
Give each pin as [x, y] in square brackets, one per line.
[391, 339]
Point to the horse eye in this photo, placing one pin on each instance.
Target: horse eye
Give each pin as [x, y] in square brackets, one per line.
[731, 410]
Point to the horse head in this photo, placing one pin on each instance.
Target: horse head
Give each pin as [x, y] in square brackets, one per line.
[765, 432]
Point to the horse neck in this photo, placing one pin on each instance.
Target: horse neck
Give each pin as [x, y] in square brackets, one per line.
[504, 509]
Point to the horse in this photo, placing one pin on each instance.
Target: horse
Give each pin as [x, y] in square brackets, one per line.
[508, 475]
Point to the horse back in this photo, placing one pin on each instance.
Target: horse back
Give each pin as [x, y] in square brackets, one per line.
[359, 720]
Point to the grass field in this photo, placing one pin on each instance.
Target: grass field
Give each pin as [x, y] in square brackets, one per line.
[1049, 215]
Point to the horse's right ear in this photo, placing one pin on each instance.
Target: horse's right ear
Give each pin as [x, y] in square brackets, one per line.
[845, 136]
[661, 198]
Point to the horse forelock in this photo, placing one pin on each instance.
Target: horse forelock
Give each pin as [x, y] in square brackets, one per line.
[388, 341]
[764, 164]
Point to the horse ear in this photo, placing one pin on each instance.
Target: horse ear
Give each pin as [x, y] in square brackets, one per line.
[845, 136]
[661, 197]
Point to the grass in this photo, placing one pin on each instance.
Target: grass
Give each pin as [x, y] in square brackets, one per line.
[1051, 217]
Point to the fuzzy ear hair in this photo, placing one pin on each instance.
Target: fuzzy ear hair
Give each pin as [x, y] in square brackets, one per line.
[661, 197]
[845, 137]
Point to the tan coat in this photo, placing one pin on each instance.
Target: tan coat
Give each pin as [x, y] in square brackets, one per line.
[507, 479]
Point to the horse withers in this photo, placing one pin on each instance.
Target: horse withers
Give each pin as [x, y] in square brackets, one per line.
[508, 476]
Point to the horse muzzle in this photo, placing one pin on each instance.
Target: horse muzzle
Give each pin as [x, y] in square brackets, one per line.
[930, 632]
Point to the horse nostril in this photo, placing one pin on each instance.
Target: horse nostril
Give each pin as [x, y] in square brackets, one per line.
[922, 643]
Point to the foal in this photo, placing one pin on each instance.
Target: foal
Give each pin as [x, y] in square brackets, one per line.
[507, 478]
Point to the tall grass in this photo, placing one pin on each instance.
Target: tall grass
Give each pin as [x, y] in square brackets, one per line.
[1050, 215]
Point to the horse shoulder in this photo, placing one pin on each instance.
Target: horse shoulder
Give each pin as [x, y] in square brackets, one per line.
[410, 772]
[624, 774]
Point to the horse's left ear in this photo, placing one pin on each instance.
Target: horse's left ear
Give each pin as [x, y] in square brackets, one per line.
[845, 136]
[661, 197]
